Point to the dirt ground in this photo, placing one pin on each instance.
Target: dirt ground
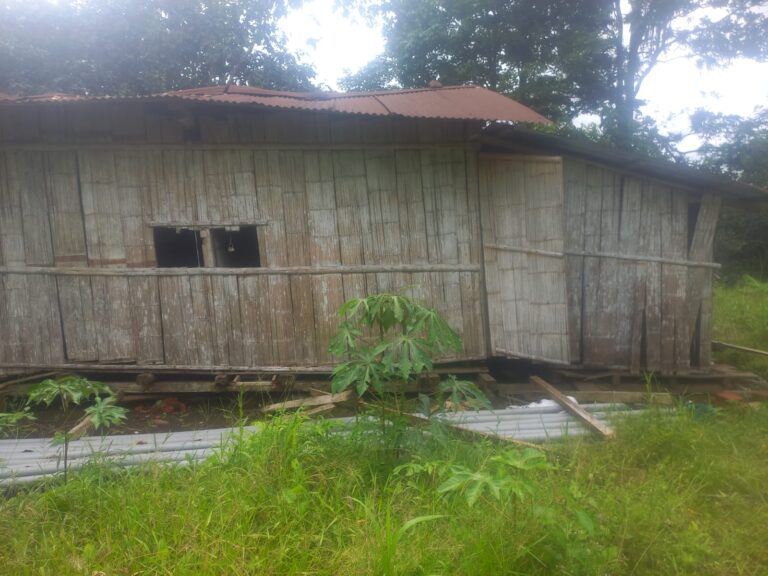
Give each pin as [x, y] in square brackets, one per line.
[163, 414]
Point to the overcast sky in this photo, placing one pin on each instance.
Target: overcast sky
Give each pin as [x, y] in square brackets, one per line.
[336, 44]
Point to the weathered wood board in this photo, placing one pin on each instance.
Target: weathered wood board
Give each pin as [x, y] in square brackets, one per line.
[638, 294]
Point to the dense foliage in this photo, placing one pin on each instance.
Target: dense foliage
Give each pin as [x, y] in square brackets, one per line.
[564, 57]
[550, 55]
[143, 46]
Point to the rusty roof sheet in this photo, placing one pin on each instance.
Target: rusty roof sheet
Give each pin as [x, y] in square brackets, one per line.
[450, 102]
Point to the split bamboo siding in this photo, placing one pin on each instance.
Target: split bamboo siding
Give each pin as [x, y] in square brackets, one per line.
[585, 265]
[78, 278]
[527, 256]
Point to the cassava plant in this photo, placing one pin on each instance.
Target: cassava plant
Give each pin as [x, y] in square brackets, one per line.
[73, 390]
[389, 340]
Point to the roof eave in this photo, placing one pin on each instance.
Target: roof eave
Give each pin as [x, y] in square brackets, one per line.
[684, 176]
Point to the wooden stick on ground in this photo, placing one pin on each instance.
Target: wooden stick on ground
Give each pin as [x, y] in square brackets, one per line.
[81, 428]
[320, 409]
[579, 412]
[21, 380]
[718, 344]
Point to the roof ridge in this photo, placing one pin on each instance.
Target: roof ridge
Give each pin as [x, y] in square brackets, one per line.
[316, 95]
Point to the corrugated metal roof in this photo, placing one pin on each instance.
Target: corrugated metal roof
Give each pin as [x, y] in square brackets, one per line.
[450, 102]
[31, 459]
[515, 138]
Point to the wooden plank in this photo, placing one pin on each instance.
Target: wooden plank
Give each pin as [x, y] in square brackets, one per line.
[653, 205]
[699, 282]
[186, 321]
[470, 251]
[113, 319]
[34, 324]
[272, 238]
[66, 215]
[353, 217]
[591, 308]
[627, 283]
[623, 397]
[11, 232]
[718, 344]
[575, 192]
[176, 183]
[259, 347]
[324, 250]
[490, 258]
[608, 314]
[101, 208]
[675, 338]
[77, 316]
[282, 327]
[135, 207]
[450, 180]
[593, 423]
[227, 321]
[5, 347]
[347, 396]
[298, 254]
[146, 318]
[26, 178]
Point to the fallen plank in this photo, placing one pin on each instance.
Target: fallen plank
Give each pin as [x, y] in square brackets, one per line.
[28, 378]
[314, 401]
[573, 408]
[81, 428]
[718, 344]
[623, 397]
[320, 409]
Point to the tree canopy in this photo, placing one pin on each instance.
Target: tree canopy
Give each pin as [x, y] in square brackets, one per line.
[142, 46]
[562, 57]
[550, 54]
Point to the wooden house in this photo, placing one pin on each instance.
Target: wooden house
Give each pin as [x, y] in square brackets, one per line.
[220, 229]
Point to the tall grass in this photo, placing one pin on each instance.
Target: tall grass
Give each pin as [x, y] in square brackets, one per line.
[741, 317]
[682, 495]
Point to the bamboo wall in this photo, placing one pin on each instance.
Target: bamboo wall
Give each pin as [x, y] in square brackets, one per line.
[343, 207]
[586, 265]
[639, 278]
[583, 264]
[523, 243]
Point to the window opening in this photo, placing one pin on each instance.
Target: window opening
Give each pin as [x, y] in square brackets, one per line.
[236, 247]
[178, 248]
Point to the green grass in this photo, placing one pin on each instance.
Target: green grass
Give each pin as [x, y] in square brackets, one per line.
[741, 317]
[682, 495]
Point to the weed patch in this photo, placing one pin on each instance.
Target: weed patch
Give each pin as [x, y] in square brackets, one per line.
[671, 495]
